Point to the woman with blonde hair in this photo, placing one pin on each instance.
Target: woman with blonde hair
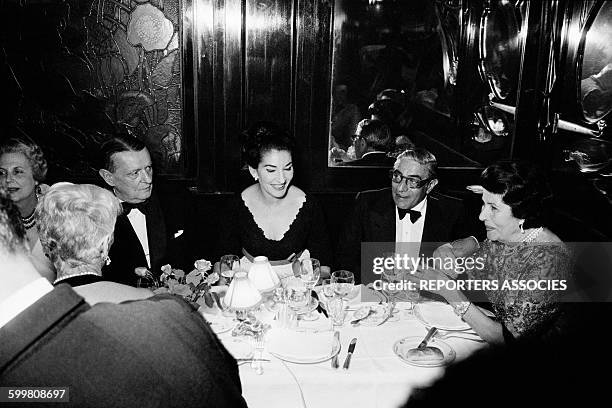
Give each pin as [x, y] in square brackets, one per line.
[76, 224]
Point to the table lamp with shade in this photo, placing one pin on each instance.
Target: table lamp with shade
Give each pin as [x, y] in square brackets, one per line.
[262, 275]
[242, 295]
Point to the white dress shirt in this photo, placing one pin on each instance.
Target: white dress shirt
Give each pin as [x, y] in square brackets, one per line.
[139, 223]
[406, 231]
[22, 299]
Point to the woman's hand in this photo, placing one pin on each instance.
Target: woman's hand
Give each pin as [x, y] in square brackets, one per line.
[435, 280]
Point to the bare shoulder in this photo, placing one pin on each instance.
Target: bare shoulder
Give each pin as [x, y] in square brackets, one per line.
[295, 193]
[249, 192]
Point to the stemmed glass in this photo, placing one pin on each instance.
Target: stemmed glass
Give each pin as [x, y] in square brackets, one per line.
[342, 281]
[310, 272]
[228, 266]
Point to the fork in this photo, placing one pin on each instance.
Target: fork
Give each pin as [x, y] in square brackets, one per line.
[257, 356]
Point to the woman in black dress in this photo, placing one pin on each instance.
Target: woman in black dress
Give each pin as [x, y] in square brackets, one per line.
[272, 217]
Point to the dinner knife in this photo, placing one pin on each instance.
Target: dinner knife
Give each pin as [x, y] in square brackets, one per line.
[334, 361]
[351, 349]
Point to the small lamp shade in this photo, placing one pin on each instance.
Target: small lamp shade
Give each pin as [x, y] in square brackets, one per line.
[242, 294]
[262, 275]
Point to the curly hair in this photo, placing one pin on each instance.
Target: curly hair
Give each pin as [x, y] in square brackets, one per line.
[522, 186]
[76, 224]
[262, 137]
[12, 231]
[32, 152]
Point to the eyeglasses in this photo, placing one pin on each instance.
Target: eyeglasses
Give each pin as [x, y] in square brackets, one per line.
[411, 182]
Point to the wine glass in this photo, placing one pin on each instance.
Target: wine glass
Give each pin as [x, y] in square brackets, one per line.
[298, 296]
[228, 266]
[342, 282]
[390, 277]
[310, 272]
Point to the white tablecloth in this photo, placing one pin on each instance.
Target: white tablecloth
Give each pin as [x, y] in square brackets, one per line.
[376, 378]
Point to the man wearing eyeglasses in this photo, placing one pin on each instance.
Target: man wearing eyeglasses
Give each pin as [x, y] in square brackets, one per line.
[404, 213]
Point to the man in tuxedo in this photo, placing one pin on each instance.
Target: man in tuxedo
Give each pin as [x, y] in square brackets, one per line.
[371, 146]
[143, 235]
[157, 352]
[404, 213]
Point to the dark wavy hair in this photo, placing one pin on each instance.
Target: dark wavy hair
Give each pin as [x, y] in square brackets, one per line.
[262, 137]
[523, 187]
[32, 152]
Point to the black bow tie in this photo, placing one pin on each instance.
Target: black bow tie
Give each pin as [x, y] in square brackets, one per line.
[127, 207]
[414, 215]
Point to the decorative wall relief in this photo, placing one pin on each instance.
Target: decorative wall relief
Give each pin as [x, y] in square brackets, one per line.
[84, 68]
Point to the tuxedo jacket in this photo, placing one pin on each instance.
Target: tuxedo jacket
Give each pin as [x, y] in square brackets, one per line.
[375, 159]
[126, 252]
[373, 220]
[157, 352]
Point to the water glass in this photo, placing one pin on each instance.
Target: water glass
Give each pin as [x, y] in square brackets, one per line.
[327, 290]
[310, 272]
[342, 281]
[298, 296]
[335, 310]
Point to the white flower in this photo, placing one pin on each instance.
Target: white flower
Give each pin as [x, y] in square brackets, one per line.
[142, 272]
[212, 278]
[202, 265]
[167, 269]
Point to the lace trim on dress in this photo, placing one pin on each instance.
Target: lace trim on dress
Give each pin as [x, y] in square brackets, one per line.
[266, 236]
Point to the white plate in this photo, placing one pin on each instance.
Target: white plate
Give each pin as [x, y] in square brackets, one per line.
[440, 315]
[379, 313]
[219, 323]
[307, 360]
[238, 347]
[401, 347]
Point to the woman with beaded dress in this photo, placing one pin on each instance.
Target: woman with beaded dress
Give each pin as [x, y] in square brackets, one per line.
[23, 168]
[517, 248]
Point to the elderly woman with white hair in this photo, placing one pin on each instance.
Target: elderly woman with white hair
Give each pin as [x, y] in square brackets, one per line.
[76, 224]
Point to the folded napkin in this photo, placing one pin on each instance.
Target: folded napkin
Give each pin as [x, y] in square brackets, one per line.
[300, 345]
[284, 272]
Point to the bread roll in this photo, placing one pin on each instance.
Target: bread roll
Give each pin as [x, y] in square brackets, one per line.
[425, 354]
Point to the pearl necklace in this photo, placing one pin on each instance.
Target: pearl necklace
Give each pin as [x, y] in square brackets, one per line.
[30, 221]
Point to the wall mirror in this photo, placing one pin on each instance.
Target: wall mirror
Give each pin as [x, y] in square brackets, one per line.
[596, 67]
[388, 56]
[499, 47]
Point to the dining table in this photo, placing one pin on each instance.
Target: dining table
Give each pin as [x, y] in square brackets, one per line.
[376, 377]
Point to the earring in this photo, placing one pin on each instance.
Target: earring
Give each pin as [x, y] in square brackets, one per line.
[108, 261]
[256, 178]
[521, 227]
